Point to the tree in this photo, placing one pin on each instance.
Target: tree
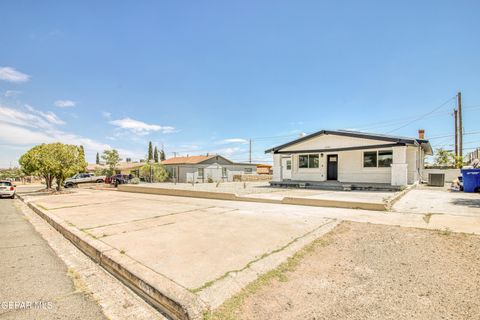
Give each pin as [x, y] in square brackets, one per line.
[53, 161]
[69, 159]
[112, 158]
[150, 151]
[155, 154]
[97, 159]
[443, 158]
[154, 172]
[162, 155]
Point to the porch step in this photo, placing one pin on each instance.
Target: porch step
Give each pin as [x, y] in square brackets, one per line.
[331, 185]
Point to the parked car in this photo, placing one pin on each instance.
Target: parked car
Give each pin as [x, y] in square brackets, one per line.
[7, 189]
[83, 178]
[120, 178]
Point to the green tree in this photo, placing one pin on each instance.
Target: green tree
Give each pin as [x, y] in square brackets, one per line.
[444, 158]
[155, 154]
[53, 161]
[154, 172]
[12, 173]
[97, 159]
[112, 158]
[69, 159]
[150, 151]
[162, 155]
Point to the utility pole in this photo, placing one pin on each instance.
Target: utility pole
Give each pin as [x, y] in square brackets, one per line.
[460, 126]
[250, 150]
[455, 119]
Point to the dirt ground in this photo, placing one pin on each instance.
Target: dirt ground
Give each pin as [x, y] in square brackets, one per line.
[367, 271]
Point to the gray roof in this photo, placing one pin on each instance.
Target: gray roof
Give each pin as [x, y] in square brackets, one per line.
[358, 134]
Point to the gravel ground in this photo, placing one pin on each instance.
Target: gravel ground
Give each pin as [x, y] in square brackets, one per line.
[367, 271]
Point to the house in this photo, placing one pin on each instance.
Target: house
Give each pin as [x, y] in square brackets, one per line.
[264, 169]
[206, 168]
[351, 157]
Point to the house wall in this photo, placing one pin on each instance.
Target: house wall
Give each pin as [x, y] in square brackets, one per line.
[350, 169]
[187, 173]
[333, 142]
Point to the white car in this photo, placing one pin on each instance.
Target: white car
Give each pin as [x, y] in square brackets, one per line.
[7, 189]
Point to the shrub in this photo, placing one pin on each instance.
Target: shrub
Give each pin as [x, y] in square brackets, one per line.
[135, 181]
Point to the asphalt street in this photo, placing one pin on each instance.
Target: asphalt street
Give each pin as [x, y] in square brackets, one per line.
[35, 283]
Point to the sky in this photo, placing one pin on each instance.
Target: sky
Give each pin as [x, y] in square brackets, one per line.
[208, 76]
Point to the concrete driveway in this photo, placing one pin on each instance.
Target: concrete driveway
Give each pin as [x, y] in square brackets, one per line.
[212, 248]
[431, 200]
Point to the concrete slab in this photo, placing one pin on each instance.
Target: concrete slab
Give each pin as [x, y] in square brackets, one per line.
[439, 201]
[368, 200]
[207, 247]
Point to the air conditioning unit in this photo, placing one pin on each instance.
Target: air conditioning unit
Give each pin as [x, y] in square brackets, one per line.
[436, 179]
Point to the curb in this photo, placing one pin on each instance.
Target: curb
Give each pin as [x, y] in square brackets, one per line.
[377, 206]
[390, 202]
[164, 294]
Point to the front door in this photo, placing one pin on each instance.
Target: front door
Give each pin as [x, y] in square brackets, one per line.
[332, 167]
[287, 168]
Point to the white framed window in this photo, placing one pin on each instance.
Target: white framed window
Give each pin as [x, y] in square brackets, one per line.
[308, 161]
[248, 171]
[200, 172]
[224, 172]
[377, 159]
[289, 164]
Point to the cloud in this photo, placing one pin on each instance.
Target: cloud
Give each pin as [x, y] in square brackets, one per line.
[24, 127]
[140, 127]
[30, 117]
[11, 93]
[106, 114]
[233, 140]
[12, 75]
[65, 103]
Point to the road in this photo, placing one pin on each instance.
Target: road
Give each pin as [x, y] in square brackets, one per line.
[35, 283]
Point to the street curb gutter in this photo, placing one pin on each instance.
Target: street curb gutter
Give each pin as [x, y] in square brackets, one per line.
[377, 206]
[164, 294]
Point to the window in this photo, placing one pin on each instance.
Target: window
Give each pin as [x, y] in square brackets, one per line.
[224, 172]
[289, 164]
[200, 172]
[385, 159]
[370, 159]
[248, 170]
[377, 159]
[308, 161]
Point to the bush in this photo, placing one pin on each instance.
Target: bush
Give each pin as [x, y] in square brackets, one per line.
[154, 172]
[135, 181]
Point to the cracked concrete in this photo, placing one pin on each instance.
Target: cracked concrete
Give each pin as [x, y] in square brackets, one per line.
[211, 248]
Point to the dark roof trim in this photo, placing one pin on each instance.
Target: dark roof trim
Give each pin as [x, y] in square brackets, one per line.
[378, 146]
[354, 134]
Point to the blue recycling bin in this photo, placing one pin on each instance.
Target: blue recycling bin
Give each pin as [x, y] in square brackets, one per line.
[471, 180]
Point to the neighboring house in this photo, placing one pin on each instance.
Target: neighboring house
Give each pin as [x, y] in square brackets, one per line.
[206, 168]
[351, 156]
[264, 169]
[122, 168]
[471, 157]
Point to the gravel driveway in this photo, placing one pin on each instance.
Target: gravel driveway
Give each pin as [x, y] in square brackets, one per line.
[366, 271]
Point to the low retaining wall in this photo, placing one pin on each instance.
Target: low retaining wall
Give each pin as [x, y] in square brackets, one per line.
[167, 296]
[252, 177]
[450, 174]
[377, 206]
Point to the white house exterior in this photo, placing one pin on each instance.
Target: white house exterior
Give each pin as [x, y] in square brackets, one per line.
[206, 168]
[351, 157]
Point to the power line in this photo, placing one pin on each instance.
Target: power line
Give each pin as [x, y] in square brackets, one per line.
[424, 115]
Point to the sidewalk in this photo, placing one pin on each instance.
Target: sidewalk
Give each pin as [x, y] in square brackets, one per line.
[32, 273]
